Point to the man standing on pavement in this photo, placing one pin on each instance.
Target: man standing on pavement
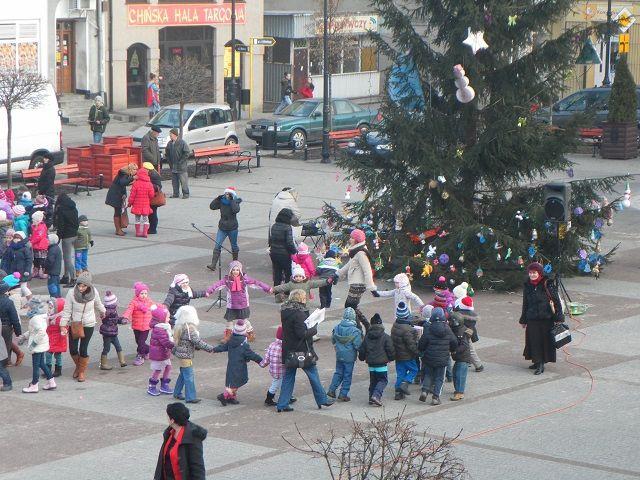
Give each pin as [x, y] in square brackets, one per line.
[285, 91]
[229, 205]
[98, 119]
[150, 149]
[178, 153]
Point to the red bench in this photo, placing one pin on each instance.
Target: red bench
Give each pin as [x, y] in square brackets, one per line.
[591, 136]
[73, 173]
[208, 157]
[340, 139]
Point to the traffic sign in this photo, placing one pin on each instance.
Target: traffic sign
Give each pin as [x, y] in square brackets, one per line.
[263, 41]
[242, 48]
[623, 43]
[625, 19]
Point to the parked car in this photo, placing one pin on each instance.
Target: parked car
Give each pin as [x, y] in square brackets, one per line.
[589, 100]
[301, 122]
[205, 124]
[36, 131]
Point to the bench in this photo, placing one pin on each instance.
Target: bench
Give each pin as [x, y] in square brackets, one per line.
[74, 177]
[338, 140]
[592, 136]
[208, 157]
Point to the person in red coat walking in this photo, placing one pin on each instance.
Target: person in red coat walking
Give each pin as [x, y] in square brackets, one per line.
[40, 243]
[57, 341]
[140, 201]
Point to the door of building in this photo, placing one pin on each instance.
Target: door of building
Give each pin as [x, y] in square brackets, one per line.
[300, 68]
[65, 57]
[137, 75]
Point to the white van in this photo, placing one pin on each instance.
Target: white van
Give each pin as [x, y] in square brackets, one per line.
[36, 131]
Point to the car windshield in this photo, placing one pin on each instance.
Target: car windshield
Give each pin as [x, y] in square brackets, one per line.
[168, 118]
[300, 109]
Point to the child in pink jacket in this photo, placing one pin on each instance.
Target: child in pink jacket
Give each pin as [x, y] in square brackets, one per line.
[139, 314]
[40, 243]
[303, 258]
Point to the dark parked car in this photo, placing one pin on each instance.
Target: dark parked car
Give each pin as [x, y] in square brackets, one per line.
[301, 122]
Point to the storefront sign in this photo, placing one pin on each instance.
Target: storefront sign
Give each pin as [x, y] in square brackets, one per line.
[597, 11]
[350, 24]
[150, 15]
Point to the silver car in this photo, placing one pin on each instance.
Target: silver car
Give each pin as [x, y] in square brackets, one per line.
[204, 125]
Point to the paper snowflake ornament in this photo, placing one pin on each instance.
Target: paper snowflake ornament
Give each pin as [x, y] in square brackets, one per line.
[476, 41]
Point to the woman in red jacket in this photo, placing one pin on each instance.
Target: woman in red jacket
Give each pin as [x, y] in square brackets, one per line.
[140, 201]
[307, 90]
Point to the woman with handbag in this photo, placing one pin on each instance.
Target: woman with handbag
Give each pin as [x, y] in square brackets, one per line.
[82, 309]
[65, 219]
[541, 308]
[117, 197]
[158, 200]
[297, 351]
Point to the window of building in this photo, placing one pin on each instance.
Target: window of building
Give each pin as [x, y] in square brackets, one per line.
[349, 55]
[281, 51]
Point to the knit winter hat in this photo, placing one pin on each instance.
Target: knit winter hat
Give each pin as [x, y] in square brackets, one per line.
[3, 216]
[18, 210]
[376, 319]
[358, 235]
[240, 328]
[437, 315]
[35, 306]
[460, 291]
[41, 200]
[109, 299]
[37, 216]
[85, 279]
[53, 239]
[536, 267]
[10, 196]
[9, 233]
[402, 311]
[231, 190]
[235, 264]
[179, 279]
[83, 218]
[139, 287]
[278, 332]
[349, 314]
[148, 166]
[26, 196]
[303, 248]
[402, 280]
[159, 312]
[298, 271]
[441, 284]
[466, 303]
[330, 254]
[20, 234]
[427, 310]
[4, 288]
[12, 280]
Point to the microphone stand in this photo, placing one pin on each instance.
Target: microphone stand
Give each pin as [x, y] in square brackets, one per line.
[221, 247]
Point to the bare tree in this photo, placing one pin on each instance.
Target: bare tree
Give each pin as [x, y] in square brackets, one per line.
[19, 89]
[185, 80]
[384, 449]
[335, 33]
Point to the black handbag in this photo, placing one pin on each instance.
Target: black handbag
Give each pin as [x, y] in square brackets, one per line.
[300, 359]
[560, 334]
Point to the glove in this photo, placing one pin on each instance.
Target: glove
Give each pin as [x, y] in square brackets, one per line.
[335, 278]
[91, 242]
[375, 293]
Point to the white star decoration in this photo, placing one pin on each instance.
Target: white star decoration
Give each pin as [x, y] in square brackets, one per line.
[475, 41]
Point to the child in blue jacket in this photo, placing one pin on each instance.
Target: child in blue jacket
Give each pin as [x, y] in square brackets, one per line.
[346, 339]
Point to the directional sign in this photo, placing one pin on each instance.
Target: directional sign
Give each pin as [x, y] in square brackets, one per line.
[242, 48]
[264, 41]
[623, 43]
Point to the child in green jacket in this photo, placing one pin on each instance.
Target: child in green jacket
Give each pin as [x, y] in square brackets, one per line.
[82, 243]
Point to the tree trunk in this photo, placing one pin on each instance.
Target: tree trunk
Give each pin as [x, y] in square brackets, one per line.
[9, 129]
[180, 118]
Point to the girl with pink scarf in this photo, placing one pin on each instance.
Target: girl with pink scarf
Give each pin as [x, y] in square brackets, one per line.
[139, 314]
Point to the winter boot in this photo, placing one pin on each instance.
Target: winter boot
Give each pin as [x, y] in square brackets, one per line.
[457, 396]
[145, 230]
[331, 393]
[404, 386]
[104, 363]
[83, 362]
[234, 254]
[123, 362]
[214, 260]
[227, 335]
[399, 395]
[539, 369]
[269, 400]
[423, 396]
[153, 387]
[51, 385]
[75, 359]
[138, 230]
[164, 386]
[32, 388]
[58, 371]
[221, 398]
[138, 361]
[435, 400]
[118, 224]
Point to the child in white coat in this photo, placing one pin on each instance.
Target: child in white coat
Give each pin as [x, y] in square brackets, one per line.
[402, 293]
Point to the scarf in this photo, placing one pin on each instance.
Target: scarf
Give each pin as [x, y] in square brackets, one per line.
[536, 281]
[236, 283]
[167, 327]
[289, 305]
[85, 297]
[359, 247]
[173, 453]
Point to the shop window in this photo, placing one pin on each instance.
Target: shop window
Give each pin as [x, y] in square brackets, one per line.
[315, 61]
[281, 51]
[368, 59]
[351, 57]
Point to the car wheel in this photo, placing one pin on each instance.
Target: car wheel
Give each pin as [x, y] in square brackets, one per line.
[298, 139]
[37, 161]
[231, 141]
[364, 128]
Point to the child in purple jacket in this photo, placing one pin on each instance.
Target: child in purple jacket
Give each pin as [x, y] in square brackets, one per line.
[237, 285]
[109, 331]
[160, 351]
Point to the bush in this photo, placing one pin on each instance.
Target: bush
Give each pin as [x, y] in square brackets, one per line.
[623, 102]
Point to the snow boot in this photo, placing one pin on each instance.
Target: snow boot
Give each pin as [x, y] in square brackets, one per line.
[269, 400]
[32, 388]
[153, 387]
[138, 230]
[123, 362]
[51, 385]
[58, 371]
[164, 386]
[214, 260]
[77, 369]
[104, 363]
[83, 362]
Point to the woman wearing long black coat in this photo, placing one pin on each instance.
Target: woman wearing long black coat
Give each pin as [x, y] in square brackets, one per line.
[538, 318]
[117, 195]
[65, 219]
[156, 181]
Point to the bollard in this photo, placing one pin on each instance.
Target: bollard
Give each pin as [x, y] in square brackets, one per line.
[306, 152]
[258, 152]
[275, 140]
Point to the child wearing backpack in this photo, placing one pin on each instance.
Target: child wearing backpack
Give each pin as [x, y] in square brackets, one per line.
[378, 351]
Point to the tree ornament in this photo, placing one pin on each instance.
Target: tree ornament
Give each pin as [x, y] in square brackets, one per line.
[398, 225]
[465, 93]
[378, 263]
[347, 194]
[534, 235]
[522, 122]
[511, 21]
[445, 195]
[436, 261]
[452, 268]
[443, 234]
[461, 258]
[531, 251]
[459, 152]
[626, 202]
[426, 270]
[582, 253]
[520, 262]
[442, 179]
[497, 246]
[452, 281]
[547, 269]
[433, 184]
[596, 270]
[407, 270]
[444, 259]
[519, 216]
[476, 41]
[481, 237]
[432, 251]
[578, 211]
[508, 254]
[587, 268]
[479, 272]
[498, 257]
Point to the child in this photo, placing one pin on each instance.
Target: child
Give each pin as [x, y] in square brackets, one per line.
[140, 197]
[41, 204]
[53, 265]
[377, 350]
[443, 296]
[38, 345]
[7, 384]
[180, 294]
[405, 342]
[436, 343]
[139, 314]
[299, 281]
[5, 224]
[402, 292]
[327, 268]
[461, 356]
[81, 245]
[161, 344]
[273, 358]
[39, 243]
[187, 339]
[20, 220]
[7, 254]
[346, 339]
[10, 321]
[459, 292]
[237, 285]
[57, 341]
[22, 261]
[466, 315]
[239, 354]
[26, 202]
[109, 331]
[303, 259]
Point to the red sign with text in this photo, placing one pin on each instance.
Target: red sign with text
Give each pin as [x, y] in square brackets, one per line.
[145, 15]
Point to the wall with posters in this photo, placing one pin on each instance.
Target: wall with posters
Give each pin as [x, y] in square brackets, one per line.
[23, 36]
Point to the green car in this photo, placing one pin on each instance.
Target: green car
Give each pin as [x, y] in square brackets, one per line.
[301, 122]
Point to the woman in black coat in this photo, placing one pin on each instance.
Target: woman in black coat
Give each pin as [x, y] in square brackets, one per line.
[47, 177]
[282, 246]
[296, 337]
[181, 454]
[538, 317]
[156, 181]
[65, 219]
[117, 195]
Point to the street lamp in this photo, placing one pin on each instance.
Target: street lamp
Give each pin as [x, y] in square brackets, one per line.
[607, 60]
[325, 86]
[232, 92]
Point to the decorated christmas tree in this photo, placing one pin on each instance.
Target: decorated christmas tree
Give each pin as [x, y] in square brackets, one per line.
[453, 181]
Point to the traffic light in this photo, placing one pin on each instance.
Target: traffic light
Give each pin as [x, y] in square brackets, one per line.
[557, 199]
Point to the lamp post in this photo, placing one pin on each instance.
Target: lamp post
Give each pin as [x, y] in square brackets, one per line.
[325, 86]
[232, 91]
[607, 60]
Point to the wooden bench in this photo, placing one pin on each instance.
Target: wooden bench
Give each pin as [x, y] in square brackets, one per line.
[592, 136]
[74, 177]
[208, 157]
[340, 139]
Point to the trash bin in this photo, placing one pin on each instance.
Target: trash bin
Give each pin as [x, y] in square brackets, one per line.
[245, 96]
[269, 140]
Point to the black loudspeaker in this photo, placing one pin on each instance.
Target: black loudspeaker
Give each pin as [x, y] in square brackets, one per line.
[557, 200]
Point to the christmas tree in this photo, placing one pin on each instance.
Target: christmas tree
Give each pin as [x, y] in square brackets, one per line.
[458, 190]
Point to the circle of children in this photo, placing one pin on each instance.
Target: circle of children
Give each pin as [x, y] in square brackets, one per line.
[423, 339]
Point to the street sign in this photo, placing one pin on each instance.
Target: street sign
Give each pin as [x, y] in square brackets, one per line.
[242, 48]
[625, 19]
[263, 41]
[623, 43]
